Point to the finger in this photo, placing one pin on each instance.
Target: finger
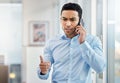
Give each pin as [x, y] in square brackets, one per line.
[44, 71]
[44, 67]
[48, 63]
[80, 28]
[43, 64]
[77, 28]
[78, 31]
[41, 59]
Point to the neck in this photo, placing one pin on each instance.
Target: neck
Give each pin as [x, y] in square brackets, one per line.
[71, 36]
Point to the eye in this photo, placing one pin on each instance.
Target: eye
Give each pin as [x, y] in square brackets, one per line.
[64, 19]
[72, 19]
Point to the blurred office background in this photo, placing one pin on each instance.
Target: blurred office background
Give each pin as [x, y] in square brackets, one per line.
[19, 56]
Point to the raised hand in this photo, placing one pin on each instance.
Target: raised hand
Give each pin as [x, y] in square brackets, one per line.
[80, 30]
[44, 66]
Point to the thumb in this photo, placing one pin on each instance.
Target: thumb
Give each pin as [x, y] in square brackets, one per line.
[41, 59]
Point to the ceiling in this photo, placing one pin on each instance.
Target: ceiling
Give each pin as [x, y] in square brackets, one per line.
[41, 4]
[10, 1]
[20, 1]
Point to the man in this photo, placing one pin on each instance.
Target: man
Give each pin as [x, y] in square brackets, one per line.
[74, 53]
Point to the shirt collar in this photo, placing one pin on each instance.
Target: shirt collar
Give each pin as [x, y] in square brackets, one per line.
[63, 36]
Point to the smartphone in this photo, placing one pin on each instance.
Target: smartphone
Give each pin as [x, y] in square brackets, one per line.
[78, 25]
[81, 22]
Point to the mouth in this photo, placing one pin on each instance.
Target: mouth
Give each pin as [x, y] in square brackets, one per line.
[69, 29]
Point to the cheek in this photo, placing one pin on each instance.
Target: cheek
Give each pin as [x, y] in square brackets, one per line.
[63, 24]
[74, 25]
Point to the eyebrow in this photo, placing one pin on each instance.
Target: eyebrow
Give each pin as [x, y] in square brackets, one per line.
[69, 18]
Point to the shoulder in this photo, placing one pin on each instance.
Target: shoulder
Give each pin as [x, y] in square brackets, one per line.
[91, 38]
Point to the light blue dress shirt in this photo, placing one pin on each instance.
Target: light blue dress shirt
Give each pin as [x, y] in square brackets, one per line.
[72, 62]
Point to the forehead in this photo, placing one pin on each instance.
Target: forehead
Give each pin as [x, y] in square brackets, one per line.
[69, 13]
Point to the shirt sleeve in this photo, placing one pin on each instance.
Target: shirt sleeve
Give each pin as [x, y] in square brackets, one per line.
[44, 77]
[48, 58]
[93, 54]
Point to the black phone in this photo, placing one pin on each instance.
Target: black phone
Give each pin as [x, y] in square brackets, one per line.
[81, 22]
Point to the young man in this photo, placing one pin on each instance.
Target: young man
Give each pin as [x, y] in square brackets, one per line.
[74, 53]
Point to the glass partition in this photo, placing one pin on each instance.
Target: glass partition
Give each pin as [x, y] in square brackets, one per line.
[11, 40]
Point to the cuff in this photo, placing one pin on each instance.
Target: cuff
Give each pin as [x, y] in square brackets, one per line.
[42, 76]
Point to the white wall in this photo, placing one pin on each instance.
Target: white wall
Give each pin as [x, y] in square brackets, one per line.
[33, 11]
[32, 62]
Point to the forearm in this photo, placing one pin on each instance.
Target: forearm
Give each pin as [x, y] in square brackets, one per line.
[93, 56]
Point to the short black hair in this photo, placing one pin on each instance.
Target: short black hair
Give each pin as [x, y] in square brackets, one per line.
[73, 6]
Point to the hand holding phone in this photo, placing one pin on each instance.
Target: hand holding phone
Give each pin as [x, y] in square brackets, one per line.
[82, 33]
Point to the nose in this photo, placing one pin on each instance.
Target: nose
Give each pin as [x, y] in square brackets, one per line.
[68, 23]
